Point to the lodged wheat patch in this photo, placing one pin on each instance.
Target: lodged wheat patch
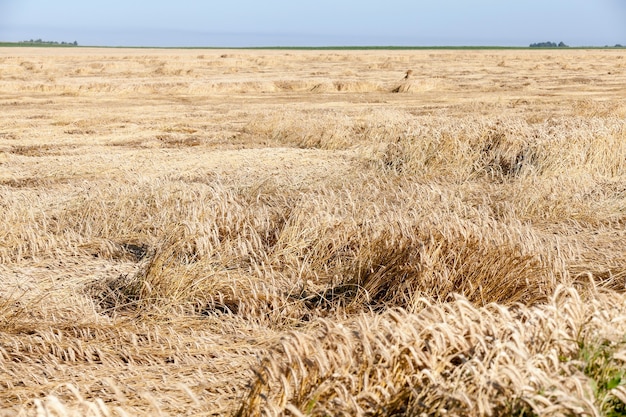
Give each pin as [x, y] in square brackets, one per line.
[312, 232]
[452, 359]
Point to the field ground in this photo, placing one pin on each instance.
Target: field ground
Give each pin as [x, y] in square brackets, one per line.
[230, 232]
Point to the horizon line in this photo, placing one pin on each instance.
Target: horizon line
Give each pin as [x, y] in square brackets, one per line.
[45, 44]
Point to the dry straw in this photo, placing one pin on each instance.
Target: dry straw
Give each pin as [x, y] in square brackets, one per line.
[278, 233]
[451, 359]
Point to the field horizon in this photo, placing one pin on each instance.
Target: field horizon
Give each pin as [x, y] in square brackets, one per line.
[384, 232]
[391, 47]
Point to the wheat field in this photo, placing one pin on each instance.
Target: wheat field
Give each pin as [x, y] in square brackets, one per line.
[284, 232]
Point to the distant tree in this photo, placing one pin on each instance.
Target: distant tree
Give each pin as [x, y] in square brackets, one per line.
[548, 45]
[42, 42]
[543, 45]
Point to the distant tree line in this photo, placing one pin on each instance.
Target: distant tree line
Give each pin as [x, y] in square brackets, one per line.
[42, 42]
[548, 45]
[563, 45]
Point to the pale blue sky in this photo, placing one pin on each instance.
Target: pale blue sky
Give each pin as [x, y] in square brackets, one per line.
[315, 22]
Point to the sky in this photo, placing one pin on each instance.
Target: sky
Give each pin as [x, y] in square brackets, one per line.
[241, 23]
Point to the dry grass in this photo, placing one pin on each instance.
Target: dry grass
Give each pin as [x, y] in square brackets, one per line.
[312, 233]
